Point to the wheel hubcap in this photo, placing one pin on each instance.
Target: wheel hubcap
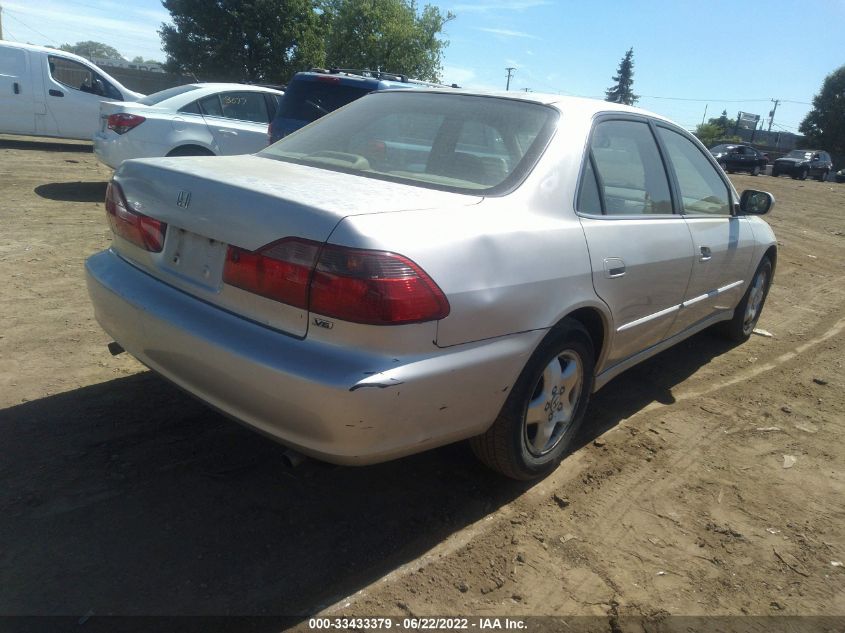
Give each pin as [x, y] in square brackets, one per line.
[755, 300]
[553, 403]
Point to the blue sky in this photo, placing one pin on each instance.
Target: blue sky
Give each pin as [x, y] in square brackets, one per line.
[687, 55]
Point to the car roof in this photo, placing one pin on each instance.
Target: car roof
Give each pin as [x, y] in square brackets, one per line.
[46, 49]
[582, 106]
[220, 86]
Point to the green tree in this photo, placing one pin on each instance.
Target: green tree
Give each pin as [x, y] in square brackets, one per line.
[622, 91]
[140, 60]
[243, 40]
[709, 133]
[92, 49]
[824, 125]
[389, 35]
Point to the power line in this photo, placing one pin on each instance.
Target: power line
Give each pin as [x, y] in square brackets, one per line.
[25, 25]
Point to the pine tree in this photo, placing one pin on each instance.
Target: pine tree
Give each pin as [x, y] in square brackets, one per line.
[622, 92]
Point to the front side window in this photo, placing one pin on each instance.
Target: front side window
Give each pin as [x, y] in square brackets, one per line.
[77, 76]
[453, 142]
[629, 169]
[702, 190]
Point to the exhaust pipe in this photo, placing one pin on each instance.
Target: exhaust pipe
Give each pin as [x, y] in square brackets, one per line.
[115, 348]
[292, 459]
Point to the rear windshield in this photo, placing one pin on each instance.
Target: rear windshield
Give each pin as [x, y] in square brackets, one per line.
[309, 100]
[723, 148]
[799, 153]
[158, 97]
[463, 143]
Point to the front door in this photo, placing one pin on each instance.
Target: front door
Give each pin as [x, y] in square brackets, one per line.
[723, 243]
[74, 92]
[641, 252]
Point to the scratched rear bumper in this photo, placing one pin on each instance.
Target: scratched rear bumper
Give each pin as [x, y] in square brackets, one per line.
[331, 402]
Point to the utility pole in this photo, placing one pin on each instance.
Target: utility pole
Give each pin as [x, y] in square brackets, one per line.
[510, 70]
[704, 116]
[772, 113]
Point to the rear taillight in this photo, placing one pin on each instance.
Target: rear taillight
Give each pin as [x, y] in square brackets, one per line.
[141, 230]
[374, 287]
[361, 286]
[280, 271]
[122, 122]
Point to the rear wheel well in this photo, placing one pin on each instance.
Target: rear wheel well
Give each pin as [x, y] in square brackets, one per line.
[190, 150]
[593, 322]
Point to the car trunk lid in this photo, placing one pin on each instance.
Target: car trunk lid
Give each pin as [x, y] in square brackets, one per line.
[210, 203]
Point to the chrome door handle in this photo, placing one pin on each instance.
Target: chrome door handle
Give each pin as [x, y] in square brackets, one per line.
[705, 254]
[228, 132]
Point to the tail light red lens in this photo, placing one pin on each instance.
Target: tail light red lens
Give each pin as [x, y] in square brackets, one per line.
[361, 286]
[279, 271]
[374, 287]
[123, 122]
[141, 230]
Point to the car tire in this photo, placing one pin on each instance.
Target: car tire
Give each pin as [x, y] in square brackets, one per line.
[747, 312]
[545, 408]
[190, 150]
[823, 176]
[775, 173]
[756, 170]
[802, 175]
[723, 165]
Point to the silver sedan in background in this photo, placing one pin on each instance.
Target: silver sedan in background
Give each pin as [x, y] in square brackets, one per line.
[422, 267]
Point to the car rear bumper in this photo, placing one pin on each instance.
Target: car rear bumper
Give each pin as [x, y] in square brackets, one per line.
[334, 403]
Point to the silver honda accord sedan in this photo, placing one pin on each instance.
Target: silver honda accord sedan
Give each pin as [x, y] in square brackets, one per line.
[422, 267]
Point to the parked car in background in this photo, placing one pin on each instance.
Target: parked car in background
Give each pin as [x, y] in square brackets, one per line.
[422, 267]
[840, 175]
[47, 92]
[192, 120]
[311, 95]
[739, 157]
[800, 163]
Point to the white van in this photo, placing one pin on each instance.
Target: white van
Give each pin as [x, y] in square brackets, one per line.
[47, 92]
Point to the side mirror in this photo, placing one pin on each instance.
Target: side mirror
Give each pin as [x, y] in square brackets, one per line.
[756, 202]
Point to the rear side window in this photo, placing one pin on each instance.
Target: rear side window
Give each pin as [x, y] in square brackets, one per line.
[211, 106]
[702, 190]
[630, 171]
[244, 106]
[309, 100]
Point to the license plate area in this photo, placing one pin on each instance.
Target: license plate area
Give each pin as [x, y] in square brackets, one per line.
[194, 258]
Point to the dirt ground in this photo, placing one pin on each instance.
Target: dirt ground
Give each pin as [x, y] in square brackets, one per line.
[121, 495]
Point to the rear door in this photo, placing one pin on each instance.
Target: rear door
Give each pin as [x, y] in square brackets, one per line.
[17, 106]
[237, 120]
[640, 251]
[723, 243]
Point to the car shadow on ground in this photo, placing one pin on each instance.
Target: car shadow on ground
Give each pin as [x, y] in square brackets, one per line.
[73, 191]
[648, 382]
[46, 146]
[130, 497]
